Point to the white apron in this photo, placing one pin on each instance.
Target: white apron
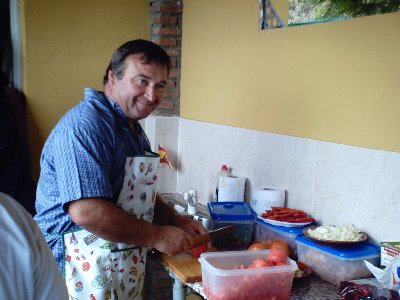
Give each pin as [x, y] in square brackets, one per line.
[97, 269]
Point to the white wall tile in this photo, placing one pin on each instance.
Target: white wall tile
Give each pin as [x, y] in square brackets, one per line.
[287, 163]
[164, 131]
[233, 147]
[337, 184]
[358, 186]
[193, 158]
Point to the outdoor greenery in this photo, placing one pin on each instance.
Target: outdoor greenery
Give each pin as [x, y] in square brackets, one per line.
[302, 11]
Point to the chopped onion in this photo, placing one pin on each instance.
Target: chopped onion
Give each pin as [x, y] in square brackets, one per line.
[336, 233]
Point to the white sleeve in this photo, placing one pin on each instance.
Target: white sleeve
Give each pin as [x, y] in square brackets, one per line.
[49, 283]
[28, 270]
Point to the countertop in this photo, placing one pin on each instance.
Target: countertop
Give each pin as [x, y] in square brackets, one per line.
[306, 288]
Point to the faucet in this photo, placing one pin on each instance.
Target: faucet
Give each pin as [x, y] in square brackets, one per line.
[191, 198]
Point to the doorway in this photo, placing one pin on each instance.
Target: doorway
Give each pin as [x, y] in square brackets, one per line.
[5, 39]
[10, 42]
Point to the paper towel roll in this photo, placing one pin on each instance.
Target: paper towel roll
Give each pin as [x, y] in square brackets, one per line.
[231, 189]
[265, 198]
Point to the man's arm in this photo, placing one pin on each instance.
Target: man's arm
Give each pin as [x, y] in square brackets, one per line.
[165, 214]
[107, 220]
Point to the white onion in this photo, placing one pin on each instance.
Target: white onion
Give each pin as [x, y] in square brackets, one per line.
[336, 233]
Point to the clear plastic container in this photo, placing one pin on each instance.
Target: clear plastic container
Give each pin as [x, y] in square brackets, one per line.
[336, 264]
[265, 231]
[221, 281]
[232, 213]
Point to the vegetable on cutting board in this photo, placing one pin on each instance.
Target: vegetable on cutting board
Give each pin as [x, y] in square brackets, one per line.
[197, 251]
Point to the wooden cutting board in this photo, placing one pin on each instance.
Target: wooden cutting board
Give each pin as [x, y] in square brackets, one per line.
[185, 266]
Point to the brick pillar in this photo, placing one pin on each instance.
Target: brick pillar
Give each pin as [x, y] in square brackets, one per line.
[166, 30]
[157, 284]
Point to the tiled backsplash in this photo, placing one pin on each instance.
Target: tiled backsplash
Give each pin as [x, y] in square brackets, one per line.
[337, 184]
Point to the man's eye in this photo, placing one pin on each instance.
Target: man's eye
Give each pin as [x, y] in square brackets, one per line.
[161, 87]
[141, 81]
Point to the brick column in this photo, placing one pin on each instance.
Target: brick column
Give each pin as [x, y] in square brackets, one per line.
[157, 284]
[166, 30]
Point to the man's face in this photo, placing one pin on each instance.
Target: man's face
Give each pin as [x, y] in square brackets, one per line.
[141, 88]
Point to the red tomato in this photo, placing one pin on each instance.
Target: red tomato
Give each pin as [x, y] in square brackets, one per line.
[258, 245]
[277, 256]
[260, 263]
[197, 251]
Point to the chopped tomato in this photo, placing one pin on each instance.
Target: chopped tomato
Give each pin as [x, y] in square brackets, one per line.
[197, 251]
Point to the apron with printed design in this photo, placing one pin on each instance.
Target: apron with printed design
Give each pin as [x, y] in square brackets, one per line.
[97, 269]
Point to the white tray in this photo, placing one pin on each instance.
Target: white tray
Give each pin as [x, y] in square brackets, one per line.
[283, 224]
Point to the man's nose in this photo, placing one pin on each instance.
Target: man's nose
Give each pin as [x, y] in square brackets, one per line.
[151, 94]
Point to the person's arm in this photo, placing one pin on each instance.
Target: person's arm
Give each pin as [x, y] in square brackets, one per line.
[108, 221]
[165, 214]
[48, 281]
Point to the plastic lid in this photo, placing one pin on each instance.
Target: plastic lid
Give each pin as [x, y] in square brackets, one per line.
[363, 250]
[230, 211]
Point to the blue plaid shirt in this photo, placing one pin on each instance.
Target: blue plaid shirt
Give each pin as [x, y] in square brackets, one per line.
[84, 156]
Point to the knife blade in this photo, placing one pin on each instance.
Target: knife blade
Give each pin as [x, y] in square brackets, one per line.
[211, 235]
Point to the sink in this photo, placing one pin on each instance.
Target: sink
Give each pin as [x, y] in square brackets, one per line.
[179, 208]
[182, 210]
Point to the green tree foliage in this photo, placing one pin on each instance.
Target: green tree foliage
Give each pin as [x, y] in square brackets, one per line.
[328, 9]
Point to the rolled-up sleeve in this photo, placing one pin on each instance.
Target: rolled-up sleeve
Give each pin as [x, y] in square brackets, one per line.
[82, 167]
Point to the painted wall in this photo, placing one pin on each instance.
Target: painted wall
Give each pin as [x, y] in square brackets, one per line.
[334, 82]
[67, 46]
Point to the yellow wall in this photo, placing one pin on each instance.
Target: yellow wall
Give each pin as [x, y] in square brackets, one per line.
[67, 46]
[335, 82]
[282, 9]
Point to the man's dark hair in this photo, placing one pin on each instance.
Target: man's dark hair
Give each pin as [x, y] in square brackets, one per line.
[152, 53]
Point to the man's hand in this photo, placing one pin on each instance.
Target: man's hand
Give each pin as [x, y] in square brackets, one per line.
[192, 227]
[189, 225]
[178, 238]
[172, 240]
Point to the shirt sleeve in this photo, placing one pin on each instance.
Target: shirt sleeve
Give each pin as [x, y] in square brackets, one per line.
[49, 283]
[29, 261]
[82, 162]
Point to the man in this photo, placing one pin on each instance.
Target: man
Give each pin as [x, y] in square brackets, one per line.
[27, 269]
[96, 194]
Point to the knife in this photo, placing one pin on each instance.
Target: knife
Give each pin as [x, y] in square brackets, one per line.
[209, 236]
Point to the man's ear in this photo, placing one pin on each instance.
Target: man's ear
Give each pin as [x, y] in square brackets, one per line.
[111, 77]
